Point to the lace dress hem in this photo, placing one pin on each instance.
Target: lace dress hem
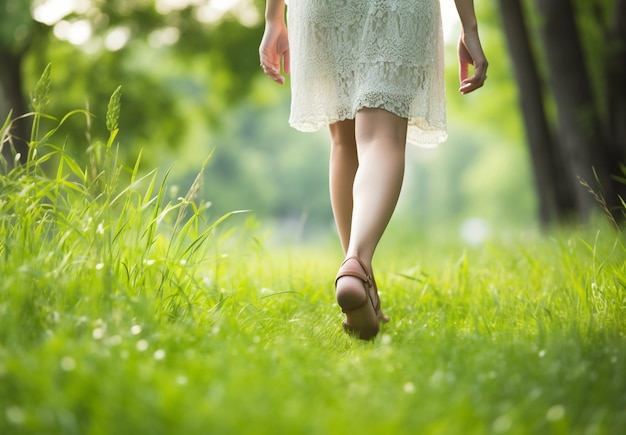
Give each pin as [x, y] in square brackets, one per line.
[350, 54]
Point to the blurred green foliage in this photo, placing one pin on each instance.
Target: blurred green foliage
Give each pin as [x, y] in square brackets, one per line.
[192, 87]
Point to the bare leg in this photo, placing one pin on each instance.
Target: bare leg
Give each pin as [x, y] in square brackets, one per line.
[343, 167]
[380, 138]
[381, 144]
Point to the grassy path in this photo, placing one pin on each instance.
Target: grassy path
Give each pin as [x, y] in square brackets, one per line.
[125, 311]
[524, 337]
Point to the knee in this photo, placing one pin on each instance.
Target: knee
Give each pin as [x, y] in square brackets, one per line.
[342, 136]
[344, 146]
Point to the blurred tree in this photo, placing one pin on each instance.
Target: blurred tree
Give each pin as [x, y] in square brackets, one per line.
[17, 31]
[98, 44]
[555, 196]
[589, 147]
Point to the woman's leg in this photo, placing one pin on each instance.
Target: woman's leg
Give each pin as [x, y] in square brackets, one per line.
[381, 141]
[381, 146]
[343, 167]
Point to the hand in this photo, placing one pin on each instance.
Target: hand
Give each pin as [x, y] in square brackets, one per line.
[471, 53]
[274, 49]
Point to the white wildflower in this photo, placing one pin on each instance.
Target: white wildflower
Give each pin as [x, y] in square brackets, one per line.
[142, 345]
[68, 364]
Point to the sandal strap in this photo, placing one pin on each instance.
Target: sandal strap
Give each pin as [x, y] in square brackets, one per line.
[349, 270]
[377, 304]
[363, 274]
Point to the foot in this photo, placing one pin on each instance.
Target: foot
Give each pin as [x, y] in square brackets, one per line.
[356, 295]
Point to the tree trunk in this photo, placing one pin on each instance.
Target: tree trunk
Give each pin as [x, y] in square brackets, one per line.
[580, 135]
[14, 99]
[556, 197]
[615, 75]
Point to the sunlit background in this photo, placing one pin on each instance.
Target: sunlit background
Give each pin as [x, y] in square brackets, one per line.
[192, 89]
[80, 32]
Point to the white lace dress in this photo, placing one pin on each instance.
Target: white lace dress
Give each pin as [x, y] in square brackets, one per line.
[351, 54]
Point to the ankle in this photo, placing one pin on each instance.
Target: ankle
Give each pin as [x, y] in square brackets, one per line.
[363, 257]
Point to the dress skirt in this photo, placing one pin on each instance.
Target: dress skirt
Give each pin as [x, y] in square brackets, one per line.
[351, 54]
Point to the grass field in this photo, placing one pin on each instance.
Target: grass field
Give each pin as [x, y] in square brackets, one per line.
[124, 310]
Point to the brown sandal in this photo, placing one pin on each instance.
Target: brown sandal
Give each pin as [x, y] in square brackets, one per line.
[377, 310]
[360, 325]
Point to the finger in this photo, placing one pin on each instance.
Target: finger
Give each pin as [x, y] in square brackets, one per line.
[464, 59]
[287, 62]
[271, 67]
[471, 84]
[463, 70]
[273, 72]
[468, 87]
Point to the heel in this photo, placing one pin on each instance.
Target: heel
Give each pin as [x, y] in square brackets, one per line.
[355, 299]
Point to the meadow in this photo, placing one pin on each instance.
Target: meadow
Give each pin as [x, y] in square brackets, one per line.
[126, 308]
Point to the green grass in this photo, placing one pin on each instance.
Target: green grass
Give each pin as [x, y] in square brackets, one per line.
[124, 310]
